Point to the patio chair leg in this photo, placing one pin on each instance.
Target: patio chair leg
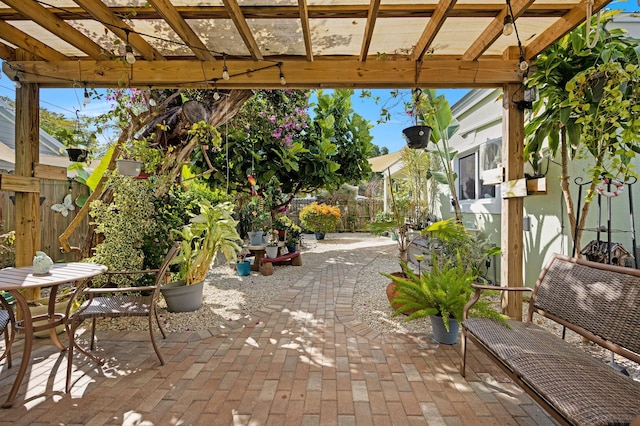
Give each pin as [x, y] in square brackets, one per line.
[93, 333]
[7, 345]
[70, 338]
[463, 355]
[155, 312]
[153, 340]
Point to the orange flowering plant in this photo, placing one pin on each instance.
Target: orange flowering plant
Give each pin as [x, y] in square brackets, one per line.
[320, 217]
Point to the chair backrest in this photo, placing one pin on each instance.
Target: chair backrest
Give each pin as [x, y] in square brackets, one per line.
[599, 298]
[164, 268]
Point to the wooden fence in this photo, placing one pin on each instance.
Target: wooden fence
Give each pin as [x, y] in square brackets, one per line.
[355, 215]
[52, 223]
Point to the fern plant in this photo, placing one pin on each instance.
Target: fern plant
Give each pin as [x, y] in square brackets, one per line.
[442, 291]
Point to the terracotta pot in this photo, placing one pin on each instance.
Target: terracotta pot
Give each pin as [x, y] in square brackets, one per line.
[391, 290]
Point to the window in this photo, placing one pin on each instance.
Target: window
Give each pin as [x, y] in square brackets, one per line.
[467, 177]
[470, 168]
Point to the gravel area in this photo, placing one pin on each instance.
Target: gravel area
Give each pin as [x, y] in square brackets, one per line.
[229, 297]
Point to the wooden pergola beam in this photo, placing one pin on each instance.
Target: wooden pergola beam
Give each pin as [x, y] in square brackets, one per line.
[494, 30]
[306, 28]
[372, 15]
[300, 74]
[101, 13]
[569, 21]
[431, 30]
[28, 43]
[43, 17]
[235, 12]
[468, 10]
[184, 31]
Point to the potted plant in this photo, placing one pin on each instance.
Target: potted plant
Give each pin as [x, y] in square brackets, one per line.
[418, 135]
[253, 217]
[271, 250]
[282, 223]
[208, 233]
[440, 294]
[443, 291]
[243, 266]
[293, 238]
[320, 219]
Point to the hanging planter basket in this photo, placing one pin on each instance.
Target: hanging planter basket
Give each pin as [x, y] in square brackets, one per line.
[129, 167]
[78, 155]
[417, 136]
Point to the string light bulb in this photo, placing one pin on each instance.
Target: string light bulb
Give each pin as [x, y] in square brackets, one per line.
[216, 95]
[16, 82]
[225, 70]
[282, 79]
[87, 99]
[523, 64]
[129, 56]
[507, 28]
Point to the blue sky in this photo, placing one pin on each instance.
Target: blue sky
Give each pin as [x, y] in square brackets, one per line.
[389, 134]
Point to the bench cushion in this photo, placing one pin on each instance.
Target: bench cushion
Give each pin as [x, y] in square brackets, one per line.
[578, 385]
[585, 390]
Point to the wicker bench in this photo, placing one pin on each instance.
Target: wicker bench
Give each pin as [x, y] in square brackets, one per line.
[600, 302]
[266, 263]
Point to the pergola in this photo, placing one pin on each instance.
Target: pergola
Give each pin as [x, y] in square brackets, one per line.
[275, 44]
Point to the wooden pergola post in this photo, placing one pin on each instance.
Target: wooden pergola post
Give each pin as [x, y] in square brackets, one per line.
[27, 187]
[511, 274]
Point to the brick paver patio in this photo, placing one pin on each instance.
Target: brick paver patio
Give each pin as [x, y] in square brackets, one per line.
[303, 360]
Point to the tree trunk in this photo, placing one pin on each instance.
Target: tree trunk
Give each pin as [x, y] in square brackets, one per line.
[220, 113]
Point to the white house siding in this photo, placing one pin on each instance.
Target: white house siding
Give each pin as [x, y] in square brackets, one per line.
[549, 226]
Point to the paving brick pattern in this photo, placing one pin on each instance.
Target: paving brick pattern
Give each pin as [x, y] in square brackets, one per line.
[304, 360]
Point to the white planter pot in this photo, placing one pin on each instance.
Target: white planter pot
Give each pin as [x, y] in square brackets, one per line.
[129, 167]
[271, 251]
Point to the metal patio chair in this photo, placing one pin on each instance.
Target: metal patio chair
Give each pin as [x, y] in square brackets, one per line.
[110, 301]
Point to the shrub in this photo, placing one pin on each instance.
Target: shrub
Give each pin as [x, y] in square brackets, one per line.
[320, 217]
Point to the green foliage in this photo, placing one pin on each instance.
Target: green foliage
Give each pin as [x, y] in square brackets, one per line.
[606, 101]
[320, 217]
[566, 74]
[448, 238]
[443, 291]
[208, 233]
[124, 223]
[273, 136]
[436, 113]
[254, 216]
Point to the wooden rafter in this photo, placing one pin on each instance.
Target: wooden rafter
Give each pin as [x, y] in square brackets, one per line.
[306, 30]
[43, 17]
[465, 10]
[7, 53]
[184, 31]
[431, 30]
[494, 30]
[374, 6]
[243, 28]
[300, 74]
[28, 43]
[101, 13]
[569, 21]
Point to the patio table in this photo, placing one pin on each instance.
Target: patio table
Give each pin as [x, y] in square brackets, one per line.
[13, 280]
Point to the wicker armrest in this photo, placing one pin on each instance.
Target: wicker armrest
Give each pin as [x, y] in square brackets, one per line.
[478, 291]
[144, 271]
[103, 290]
